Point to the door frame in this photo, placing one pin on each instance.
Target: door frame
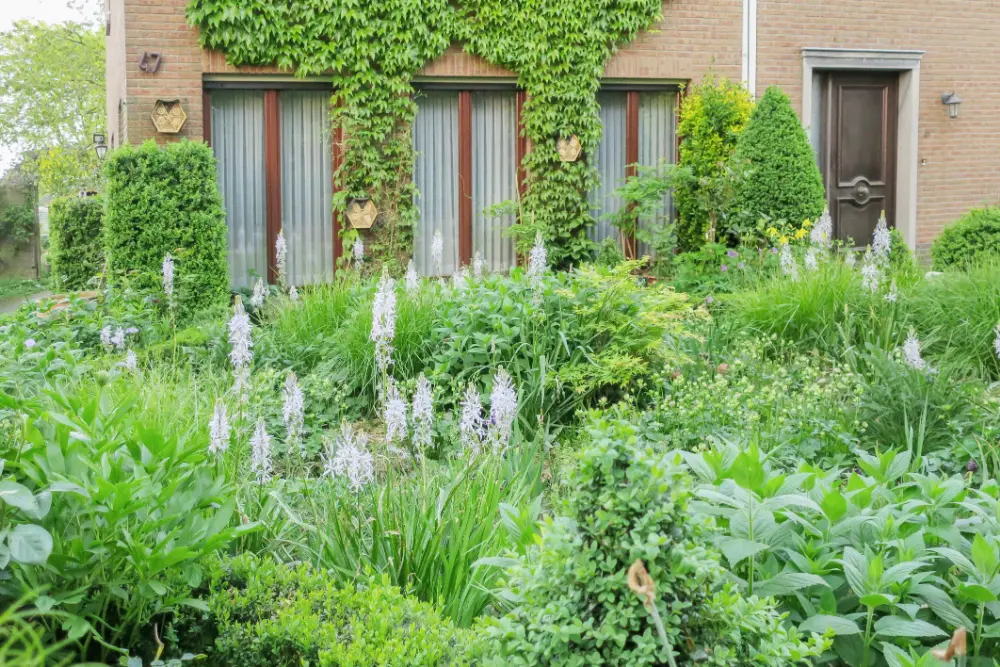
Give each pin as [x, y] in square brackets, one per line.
[816, 61]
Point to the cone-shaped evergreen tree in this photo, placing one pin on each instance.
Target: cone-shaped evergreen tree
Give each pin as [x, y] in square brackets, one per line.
[783, 181]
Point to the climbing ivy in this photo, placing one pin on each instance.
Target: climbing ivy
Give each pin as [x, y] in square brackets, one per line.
[557, 48]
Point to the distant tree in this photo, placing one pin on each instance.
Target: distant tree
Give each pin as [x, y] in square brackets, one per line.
[52, 101]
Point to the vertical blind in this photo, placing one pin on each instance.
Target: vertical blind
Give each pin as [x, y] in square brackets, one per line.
[494, 174]
[238, 142]
[435, 175]
[610, 164]
[656, 143]
[307, 185]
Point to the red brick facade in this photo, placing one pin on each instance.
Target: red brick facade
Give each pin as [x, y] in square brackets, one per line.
[959, 159]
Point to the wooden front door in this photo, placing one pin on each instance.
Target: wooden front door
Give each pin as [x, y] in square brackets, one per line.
[859, 155]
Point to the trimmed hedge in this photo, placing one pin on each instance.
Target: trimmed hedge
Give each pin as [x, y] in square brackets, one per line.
[974, 236]
[166, 200]
[710, 122]
[265, 614]
[783, 181]
[76, 240]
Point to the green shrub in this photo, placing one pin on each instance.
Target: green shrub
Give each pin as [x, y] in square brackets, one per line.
[264, 614]
[972, 237]
[710, 121]
[165, 200]
[783, 181]
[956, 316]
[76, 240]
[627, 502]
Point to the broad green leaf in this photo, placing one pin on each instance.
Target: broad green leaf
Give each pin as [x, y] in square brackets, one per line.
[786, 583]
[29, 544]
[941, 604]
[901, 572]
[855, 567]
[876, 599]
[956, 557]
[895, 656]
[838, 624]
[737, 549]
[976, 593]
[18, 495]
[984, 555]
[895, 626]
[834, 505]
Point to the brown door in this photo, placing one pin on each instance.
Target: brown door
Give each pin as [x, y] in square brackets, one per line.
[859, 154]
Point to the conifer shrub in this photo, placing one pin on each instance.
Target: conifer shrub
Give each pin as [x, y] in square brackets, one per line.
[782, 180]
[166, 200]
[710, 121]
[973, 237]
[76, 240]
[573, 605]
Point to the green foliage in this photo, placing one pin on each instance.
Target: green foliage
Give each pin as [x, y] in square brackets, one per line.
[76, 241]
[264, 614]
[783, 182]
[17, 225]
[956, 315]
[52, 76]
[165, 200]
[628, 502]
[373, 50]
[973, 237]
[711, 119]
[884, 557]
[132, 514]
[642, 213]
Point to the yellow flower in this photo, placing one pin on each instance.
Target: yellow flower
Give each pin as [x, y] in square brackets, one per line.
[799, 234]
[772, 232]
[783, 240]
[807, 224]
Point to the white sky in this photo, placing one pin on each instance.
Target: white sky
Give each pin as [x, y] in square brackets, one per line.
[50, 11]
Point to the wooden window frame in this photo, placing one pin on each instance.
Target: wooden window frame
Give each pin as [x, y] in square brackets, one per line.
[272, 159]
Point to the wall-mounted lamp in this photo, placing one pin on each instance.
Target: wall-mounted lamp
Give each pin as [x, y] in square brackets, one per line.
[952, 101]
[100, 145]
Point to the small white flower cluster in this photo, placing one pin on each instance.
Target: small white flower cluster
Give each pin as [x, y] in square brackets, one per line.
[812, 260]
[437, 252]
[892, 296]
[412, 279]
[218, 429]
[260, 453]
[423, 414]
[503, 410]
[384, 322]
[293, 294]
[877, 257]
[789, 267]
[394, 414]
[350, 459]
[131, 362]
[168, 275]
[358, 251]
[281, 258]
[293, 412]
[821, 235]
[114, 339]
[538, 259]
[241, 348]
[460, 280]
[259, 294]
[912, 355]
[996, 343]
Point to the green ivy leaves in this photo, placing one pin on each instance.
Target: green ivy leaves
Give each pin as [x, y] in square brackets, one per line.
[558, 49]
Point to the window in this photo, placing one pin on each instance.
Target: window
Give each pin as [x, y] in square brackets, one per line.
[467, 161]
[275, 170]
[638, 129]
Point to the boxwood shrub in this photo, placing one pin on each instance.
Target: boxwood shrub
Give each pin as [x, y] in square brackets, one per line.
[165, 200]
[76, 240]
[265, 614]
[974, 236]
[782, 181]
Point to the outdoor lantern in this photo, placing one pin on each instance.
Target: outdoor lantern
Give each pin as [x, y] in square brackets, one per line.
[952, 101]
[100, 145]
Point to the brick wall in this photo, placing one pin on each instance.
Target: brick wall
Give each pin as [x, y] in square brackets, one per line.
[115, 75]
[960, 158]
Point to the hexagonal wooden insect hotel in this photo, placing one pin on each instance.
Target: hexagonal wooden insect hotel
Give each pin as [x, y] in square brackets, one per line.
[168, 116]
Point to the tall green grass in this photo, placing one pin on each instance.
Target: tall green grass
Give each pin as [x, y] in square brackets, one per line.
[956, 315]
